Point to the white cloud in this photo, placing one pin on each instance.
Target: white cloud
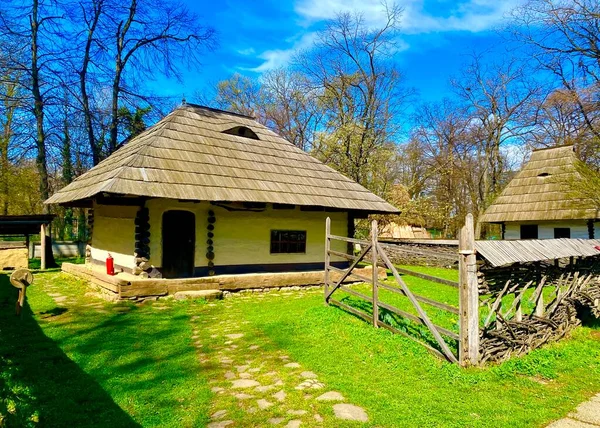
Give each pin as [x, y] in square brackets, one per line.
[277, 58]
[472, 15]
[246, 52]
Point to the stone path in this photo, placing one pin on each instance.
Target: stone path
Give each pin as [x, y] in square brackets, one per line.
[586, 415]
[256, 384]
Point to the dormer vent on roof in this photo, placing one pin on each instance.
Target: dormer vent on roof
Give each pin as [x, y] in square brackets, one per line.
[242, 131]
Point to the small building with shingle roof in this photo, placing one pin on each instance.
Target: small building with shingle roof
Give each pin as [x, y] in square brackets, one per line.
[536, 203]
[205, 192]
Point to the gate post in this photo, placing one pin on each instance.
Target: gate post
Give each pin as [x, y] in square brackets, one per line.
[468, 347]
[327, 257]
[374, 258]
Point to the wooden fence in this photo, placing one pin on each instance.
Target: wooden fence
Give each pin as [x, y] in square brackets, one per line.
[373, 252]
[517, 319]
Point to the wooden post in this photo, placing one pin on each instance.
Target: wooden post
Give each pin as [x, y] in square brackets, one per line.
[374, 259]
[539, 305]
[27, 245]
[468, 296]
[43, 246]
[327, 257]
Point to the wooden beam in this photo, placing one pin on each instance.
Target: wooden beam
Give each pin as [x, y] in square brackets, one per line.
[468, 296]
[374, 280]
[348, 271]
[428, 277]
[327, 257]
[422, 315]
[354, 274]
[43, 246]
[423, 299]
[352, 240]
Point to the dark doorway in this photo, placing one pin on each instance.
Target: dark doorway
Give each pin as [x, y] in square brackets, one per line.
[179, 243]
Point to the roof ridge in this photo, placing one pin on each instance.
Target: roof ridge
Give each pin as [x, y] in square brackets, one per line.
[216, 110]
[562, 146]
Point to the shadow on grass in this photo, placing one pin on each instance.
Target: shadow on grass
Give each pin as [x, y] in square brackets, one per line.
[392, 319]
[39, 384]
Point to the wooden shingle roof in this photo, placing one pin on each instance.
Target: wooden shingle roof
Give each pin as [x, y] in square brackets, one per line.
[189, 156]
[537, 193]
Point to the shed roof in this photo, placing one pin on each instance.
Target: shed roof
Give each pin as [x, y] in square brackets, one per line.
[501, 253]
[537, 191]
[190, 155]
[23, 224]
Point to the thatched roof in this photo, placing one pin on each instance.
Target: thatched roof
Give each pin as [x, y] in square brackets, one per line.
[537, 192]
[198, 153]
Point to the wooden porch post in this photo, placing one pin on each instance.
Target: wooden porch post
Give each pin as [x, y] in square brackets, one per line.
[468, 296]
[327, 257]
[43, 246]
[27, 245]
[374, 258]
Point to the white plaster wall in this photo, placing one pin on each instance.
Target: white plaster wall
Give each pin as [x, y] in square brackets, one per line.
[244, 237]
[113, 234]
[579, 229]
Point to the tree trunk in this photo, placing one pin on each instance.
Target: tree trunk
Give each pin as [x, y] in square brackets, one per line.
[85, 100]
[38, 108]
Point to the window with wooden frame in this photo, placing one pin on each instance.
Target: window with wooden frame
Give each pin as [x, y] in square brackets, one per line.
[288, 241]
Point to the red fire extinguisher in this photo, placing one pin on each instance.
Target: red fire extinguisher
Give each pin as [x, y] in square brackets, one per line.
[110, 265]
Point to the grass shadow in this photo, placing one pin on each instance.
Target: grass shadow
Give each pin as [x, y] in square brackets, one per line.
[39, 384]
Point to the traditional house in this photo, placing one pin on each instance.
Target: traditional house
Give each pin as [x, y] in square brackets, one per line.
[536, 204]
[207, 192]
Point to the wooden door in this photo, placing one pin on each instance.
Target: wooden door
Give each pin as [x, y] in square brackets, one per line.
[179, 243]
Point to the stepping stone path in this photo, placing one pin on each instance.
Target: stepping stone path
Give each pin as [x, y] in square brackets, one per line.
[331, 396]
[350, 412]
[586, 415]
[253, 382]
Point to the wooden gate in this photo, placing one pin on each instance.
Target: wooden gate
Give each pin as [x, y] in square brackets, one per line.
[373, 253]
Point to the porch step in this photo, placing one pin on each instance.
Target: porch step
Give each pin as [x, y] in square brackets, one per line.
[199, 294]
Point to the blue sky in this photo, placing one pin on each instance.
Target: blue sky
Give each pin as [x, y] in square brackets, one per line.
[255, 36]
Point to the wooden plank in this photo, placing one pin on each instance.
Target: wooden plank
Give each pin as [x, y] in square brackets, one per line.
[350, 309]
[375, 278]
[420, 342]
[327, 258]
[417, 319]
[352, 240]
[428, 277]
[420, 252]
[355, 293]
[348, 271]
[468, 296]
[354, 274]
[443, 345]
[423, 299]
[43, 246]
[342, 255]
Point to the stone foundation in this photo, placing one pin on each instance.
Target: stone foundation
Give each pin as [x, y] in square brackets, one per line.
[129, 287]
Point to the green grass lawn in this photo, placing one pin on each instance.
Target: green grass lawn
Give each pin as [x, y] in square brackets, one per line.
[74, 360]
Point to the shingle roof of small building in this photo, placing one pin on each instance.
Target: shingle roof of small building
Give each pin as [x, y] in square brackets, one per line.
[187, 155]
[538, 192]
